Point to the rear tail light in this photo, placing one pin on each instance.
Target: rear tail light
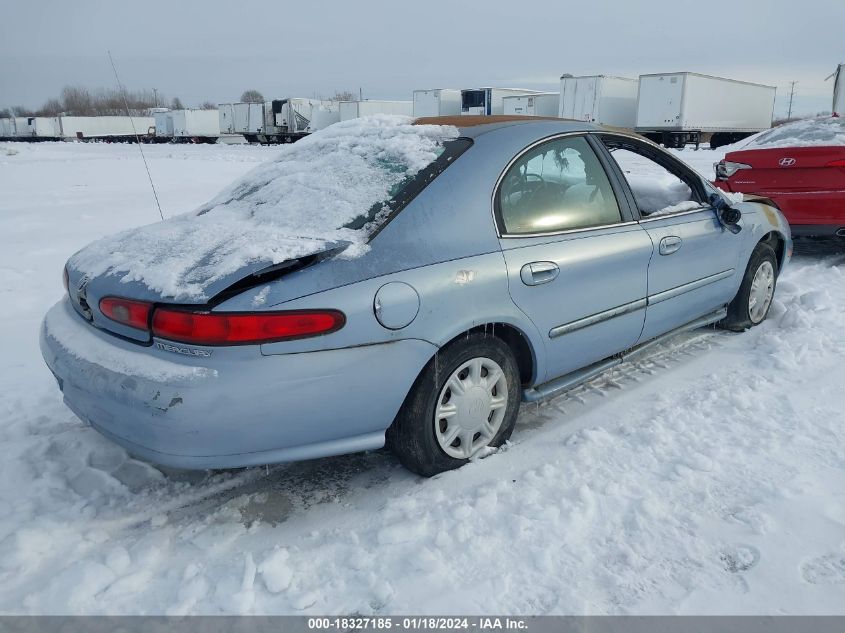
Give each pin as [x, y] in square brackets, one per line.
[837, 163]
[725, 169]
[210, 328]
[221, 328]
[127, 312]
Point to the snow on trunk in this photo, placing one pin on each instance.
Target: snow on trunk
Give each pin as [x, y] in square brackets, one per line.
[300, 203]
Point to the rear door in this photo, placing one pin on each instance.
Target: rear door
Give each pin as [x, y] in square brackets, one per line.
[577, 261]
[808, 183]
[696, 260]
[584, 98]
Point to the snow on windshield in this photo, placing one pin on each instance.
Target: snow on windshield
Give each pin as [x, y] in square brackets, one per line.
[297, 204]
[826, 131]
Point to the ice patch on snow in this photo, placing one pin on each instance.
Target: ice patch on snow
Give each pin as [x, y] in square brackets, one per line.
[261, 298]
[297, 204]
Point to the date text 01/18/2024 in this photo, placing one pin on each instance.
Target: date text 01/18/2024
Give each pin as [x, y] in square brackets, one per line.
[418, 623]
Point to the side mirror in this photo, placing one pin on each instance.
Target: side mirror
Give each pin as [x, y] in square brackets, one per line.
[728, 216]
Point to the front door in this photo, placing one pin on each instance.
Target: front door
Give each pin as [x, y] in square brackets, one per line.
[695, 265]
[577, 262]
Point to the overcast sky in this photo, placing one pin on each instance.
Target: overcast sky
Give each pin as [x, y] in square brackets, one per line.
[215, 49]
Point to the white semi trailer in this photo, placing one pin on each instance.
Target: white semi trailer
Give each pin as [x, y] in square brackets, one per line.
[277, 121]
[195, 126]
[246, 119]
[324, 115]
[163, 121]
[249, 120]
[357, 109]
[487, 101]
[288, 120]
[545, 104]
[32, 128]
[600, 99]
[5, 129]
[437, 102]
[21, 127]
[226, 118]
[677, 108]
[88, 128]
[106, 128]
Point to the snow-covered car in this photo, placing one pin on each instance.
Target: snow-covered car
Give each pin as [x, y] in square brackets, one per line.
[403, 280]
[801, 167]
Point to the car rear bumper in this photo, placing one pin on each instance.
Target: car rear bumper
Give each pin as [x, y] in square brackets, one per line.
[200, 413]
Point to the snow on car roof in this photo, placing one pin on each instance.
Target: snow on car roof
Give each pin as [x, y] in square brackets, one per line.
[288, 207]
[822, 132]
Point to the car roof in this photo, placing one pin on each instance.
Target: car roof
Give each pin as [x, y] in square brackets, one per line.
[473, 126]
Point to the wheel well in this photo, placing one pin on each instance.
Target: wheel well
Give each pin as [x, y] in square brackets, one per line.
[515, 339]
[776, 241]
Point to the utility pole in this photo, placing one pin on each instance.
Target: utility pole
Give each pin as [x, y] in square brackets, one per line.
[791, 96]
[155, 96]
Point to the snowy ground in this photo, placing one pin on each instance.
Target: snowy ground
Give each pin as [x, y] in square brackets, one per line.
[706, 478]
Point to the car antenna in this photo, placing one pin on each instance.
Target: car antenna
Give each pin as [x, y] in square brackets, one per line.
[135, 132]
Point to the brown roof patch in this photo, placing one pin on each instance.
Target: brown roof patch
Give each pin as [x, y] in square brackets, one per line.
[479, 119]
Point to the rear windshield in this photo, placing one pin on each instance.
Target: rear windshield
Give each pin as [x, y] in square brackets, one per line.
[827, 131]
[404, 191]
[339, 178]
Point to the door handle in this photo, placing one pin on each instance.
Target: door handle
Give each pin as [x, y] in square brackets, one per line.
[537, 273]
[670, 244]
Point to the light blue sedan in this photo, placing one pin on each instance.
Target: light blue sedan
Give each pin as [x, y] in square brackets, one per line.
[402, 282]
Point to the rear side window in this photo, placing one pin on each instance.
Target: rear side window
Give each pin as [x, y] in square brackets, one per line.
[557, 186]
[656, 190]
[659, 186]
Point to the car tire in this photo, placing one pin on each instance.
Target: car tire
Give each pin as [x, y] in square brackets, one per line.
[421, 439]
[751, 304]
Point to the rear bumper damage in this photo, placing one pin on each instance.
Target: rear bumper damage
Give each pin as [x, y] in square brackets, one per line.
[239, 410]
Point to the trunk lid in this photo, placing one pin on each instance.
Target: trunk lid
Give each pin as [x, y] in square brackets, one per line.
[788, 169]
[85, 291]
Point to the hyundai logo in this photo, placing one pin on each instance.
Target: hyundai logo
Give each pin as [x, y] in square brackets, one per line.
[786, 162]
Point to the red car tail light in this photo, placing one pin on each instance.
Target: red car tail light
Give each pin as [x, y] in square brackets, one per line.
[210, 328]
[132, 313]
[837, 163]
[725, 168]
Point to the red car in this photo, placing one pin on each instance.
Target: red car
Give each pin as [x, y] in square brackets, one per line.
[801, 166]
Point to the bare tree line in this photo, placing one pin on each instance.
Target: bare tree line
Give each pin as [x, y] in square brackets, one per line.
[81, 101]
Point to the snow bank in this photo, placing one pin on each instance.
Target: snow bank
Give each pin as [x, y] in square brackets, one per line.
[822, 132]
[705, 477]
[292, 206]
